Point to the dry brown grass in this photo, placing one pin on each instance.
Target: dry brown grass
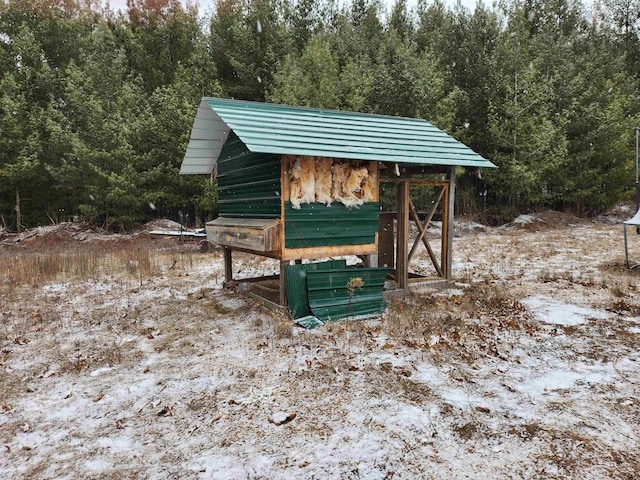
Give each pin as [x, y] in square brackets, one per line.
[282, 326]
[36, 266]
[466, 325]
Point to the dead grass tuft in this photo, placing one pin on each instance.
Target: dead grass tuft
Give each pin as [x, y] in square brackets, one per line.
[570, 453]
[467, 431]
[618, 267]
[282, 326]
[625, 307]
[528, 431]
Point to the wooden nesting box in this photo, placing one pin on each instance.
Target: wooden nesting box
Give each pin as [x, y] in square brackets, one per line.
[252, 234]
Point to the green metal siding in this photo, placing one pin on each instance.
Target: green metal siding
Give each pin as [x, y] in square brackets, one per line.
[296, 284]
[281, 129]
[330, 298]
[248, 182]
[316, 225]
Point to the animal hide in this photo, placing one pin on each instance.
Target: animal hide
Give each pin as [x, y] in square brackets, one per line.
[323, 181]
[308, 179]
[352, 188]
[339, 174]
[302, 181]
[347, 184]
[295, 183]
[369, 188]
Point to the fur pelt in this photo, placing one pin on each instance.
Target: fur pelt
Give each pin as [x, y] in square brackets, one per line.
[302, 181]
[347, 184]
[369, 189]
[352, 188]
[323, 181]
[295, 183]
[339, 174]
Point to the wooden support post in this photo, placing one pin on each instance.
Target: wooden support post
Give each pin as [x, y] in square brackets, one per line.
[402, 249]
[228, 269]
[447, 260]
[386, 247]
[283, 283]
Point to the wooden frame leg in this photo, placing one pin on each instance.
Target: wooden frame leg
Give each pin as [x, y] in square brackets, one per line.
[283, 283]
[447, 243]
[402, 256]
[371, 260]
[626, 249]
[228, 268]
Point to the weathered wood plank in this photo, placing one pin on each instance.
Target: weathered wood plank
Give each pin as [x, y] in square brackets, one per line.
[320, 252]
[228, 268]
[447, 220]
[386, 247]
[257, 223]
[283, 283]
[402, 257]
[248, 233]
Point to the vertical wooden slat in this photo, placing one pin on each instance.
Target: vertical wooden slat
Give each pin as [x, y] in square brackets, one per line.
[284, 196]
[402, 250]
[386, 247]
[444, 239]
[449, 209]
[283, 283]
[375, 178]
[285, 161]
[228, 269]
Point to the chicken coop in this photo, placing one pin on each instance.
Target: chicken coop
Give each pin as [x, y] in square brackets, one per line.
[301, 184]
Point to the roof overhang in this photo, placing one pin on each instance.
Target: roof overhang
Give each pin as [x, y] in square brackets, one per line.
[285, 130]
[208, 135]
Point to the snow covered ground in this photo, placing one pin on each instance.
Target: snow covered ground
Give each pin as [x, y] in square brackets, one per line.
[528, 367]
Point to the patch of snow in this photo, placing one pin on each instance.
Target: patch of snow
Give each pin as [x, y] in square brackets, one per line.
[98, 464]
[56, 287]
[450, 292]
[561, 313]
[524, 219]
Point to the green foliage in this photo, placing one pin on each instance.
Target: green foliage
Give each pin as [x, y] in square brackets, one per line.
[96, 106]
[309, 80]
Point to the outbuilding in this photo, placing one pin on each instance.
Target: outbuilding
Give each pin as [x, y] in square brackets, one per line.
[303, 183]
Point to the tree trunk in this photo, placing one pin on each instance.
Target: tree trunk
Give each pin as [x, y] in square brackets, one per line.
[18, 215]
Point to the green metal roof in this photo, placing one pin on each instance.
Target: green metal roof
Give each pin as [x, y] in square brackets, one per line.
[285, 130]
